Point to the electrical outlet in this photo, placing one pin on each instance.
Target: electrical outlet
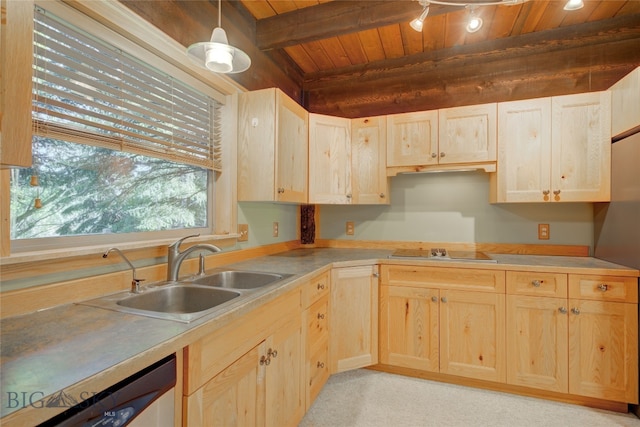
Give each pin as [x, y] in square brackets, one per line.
[543, 232]
[350, 228]
[243, 231]
[275, 229]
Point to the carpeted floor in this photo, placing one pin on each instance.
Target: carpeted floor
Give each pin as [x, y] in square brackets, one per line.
[364, 398]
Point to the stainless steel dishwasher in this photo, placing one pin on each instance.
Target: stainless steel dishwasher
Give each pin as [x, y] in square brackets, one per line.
[144, 399]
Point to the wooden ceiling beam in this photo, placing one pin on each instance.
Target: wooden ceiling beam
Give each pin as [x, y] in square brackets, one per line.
[335, 18]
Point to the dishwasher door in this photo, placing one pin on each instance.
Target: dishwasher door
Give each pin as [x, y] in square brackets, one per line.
[145, 398]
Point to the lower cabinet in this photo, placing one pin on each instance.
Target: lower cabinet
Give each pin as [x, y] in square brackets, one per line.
[261, 386]
[450, 331]
[353, 323]
[315, 297]
[583, 340]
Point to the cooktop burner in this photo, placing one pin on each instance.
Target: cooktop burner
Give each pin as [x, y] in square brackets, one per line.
[441, 254]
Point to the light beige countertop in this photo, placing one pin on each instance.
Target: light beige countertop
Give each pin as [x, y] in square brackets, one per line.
[75, 348]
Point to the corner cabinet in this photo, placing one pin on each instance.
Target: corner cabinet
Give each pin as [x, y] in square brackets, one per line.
[347, 160]
[272, 147]
[554, 149]
[16, 54]
[353, 339]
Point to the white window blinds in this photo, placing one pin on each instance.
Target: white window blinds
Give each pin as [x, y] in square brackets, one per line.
[89, 92]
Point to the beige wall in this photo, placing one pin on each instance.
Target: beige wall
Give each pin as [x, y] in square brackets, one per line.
[454, 207]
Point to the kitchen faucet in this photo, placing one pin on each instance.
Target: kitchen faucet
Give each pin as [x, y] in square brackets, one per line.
[175, 257]
[135, 283]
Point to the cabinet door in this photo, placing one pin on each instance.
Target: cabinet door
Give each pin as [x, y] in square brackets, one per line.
[467, 134]
[603, 350]
[16, 51]
[292, 150]
[472, 335]
[409, 330]
[368, 159]
[524, 151]
[625, 103]
[581, 147]
[329, 159]
[353, 342]
[412, 139]
[256, 145]
[285, 397]
[537, 349]
[231, 398]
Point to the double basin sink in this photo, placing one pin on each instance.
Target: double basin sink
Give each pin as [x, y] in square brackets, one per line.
[188, 299]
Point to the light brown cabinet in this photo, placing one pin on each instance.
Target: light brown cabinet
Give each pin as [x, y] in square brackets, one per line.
[443, 320]
[554, 149]
[353, 341]
[16, 61]
[625, 103]
[347, 160]
[249, 373]
[467, 134]
[272, 147]
[575, 334]
[412, 140]
[315, 295]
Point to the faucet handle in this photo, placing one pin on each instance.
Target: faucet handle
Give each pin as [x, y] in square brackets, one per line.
[177, 243]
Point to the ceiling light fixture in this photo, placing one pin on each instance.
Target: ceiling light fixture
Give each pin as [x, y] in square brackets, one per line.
[417, 23]
[218, 55]
[574, 5]
[475, 22]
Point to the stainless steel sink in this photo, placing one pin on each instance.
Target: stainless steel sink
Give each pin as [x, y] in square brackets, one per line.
[239, 279]
[172, 301]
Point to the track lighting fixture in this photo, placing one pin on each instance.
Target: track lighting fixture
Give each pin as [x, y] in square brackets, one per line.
[574, 5]
[475, 22]
[417, 23]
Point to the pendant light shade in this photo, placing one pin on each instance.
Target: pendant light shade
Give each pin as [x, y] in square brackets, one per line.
[218, 55]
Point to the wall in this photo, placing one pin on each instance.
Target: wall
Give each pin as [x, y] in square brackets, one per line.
[454, 207]
[260, 216]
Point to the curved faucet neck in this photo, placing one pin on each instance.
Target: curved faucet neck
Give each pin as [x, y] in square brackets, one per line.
[175, 257]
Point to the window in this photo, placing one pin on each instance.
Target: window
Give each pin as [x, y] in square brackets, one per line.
[120, 148]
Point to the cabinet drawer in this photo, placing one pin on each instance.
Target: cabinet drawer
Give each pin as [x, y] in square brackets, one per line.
[604, 288]
[315, 289]
[472, 279]
[317, 321]
[537, 284]
[317, 372]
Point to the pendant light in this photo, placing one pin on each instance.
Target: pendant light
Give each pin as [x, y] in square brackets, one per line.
[218, 55]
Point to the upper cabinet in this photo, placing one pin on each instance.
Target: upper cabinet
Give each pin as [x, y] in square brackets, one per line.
[467, 134]
[347, 160]
[554, 149]
[625, 103]
[272, 147]
[16, 57]
[450, 138]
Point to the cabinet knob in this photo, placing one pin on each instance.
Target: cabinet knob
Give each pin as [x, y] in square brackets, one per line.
[556, 192]
[320, 365]
[434, 299]
[536, 283]
[603, 287]
[349, 196]
[320, 286]
[272, 353]
[443, 299]
[320, 316]
[376, 275]
[434, 155]
[382, 196]
[265, 360]
[575, 310]
[442, 154]
[563, 310]
[280, 190]
[545, 192]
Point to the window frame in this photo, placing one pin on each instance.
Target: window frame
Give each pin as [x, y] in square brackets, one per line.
[116, 24]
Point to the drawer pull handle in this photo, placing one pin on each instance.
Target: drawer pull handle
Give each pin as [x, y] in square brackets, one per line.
[563, 310]
[575, 310]
[320, 286]
[320, 365]
[536, 283]
[320, 316]
[603, 287]
[434, 299]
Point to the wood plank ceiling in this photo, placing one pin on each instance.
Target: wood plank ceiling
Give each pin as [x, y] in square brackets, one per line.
[360, 58]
